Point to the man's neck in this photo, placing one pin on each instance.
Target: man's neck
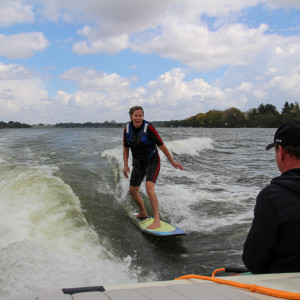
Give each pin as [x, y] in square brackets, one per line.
[291, 163]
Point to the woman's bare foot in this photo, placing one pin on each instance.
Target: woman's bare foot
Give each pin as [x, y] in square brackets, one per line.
[141, 215]
[154, 225]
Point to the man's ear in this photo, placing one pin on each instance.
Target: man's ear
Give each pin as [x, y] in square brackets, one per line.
[281, 153]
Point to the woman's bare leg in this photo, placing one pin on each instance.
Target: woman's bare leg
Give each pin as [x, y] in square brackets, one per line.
[154, 204]
[134, 192]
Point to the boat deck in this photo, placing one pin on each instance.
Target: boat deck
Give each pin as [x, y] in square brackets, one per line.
[176, 290]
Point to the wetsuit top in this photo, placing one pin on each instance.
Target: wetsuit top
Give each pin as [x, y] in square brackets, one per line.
[273, 242]
[142, 141]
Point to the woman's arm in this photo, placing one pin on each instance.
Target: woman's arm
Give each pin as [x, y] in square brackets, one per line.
[126, 169]
[167, 153]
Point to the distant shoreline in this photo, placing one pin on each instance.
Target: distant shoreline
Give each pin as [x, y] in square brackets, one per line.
[265, 116]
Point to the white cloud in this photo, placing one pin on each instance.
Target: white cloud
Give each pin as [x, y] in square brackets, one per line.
[102, 96]
[99, 95]
[202, 49]
[172, 96]
[274, 75]
[20, 92]
[15, 11]
[273, 4]
[171, 92]
[285, 78]
[261, 67]
[91, 80]
[95, 43]
[171, 29]
[114, 23]
[22, 45]
[114, 17]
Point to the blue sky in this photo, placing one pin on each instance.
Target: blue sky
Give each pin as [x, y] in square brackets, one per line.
[91, 60]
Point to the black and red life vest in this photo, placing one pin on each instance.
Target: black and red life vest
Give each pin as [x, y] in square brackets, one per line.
[142, 148]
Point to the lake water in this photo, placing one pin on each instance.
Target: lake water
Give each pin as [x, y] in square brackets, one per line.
[66, 215]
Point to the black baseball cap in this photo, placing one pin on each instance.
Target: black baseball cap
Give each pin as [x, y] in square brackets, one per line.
[287, 134]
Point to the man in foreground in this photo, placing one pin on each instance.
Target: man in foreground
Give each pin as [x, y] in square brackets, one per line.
[273, 242]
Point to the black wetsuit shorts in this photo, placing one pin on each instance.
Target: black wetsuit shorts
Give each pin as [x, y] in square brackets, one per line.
[150, 170]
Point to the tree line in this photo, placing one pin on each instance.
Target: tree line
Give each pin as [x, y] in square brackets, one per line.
[12, 124]
[266, 116]
[110, 124]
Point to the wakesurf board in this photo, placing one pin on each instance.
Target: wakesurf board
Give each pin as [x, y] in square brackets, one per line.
[165, 229]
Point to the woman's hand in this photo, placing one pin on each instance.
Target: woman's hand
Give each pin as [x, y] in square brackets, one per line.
[177, 165]
[126, 171]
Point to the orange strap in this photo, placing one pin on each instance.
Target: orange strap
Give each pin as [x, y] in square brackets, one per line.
[216, 271]
[251, 287]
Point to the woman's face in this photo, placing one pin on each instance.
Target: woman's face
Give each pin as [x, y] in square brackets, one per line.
[137, 118]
